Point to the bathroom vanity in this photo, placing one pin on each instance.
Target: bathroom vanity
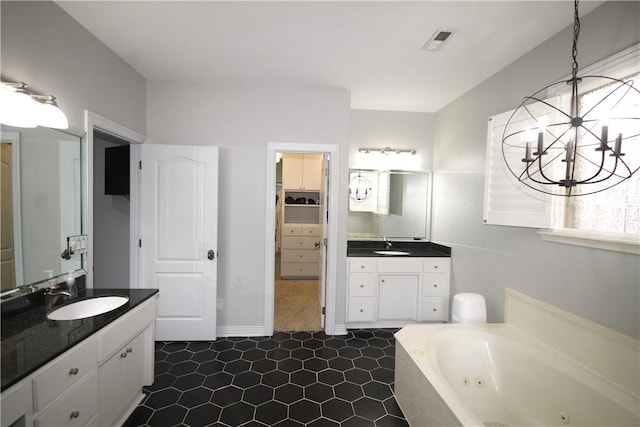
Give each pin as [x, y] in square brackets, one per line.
[86, 371]
[396, 283]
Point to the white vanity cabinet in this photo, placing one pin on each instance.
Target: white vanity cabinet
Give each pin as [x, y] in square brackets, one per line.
[127, 357]
[98, 382]
[391, 292]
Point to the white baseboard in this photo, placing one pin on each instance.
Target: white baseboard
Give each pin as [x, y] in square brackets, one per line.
[240, 331]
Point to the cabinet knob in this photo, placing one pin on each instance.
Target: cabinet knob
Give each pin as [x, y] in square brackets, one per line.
[361, 311]
[123, 355]
[74, 414]
[129, 350]
[362, 286]
[381, 280]
[362, 266]
[435, 285]
[435, 309]
[435, 267]
[74, 371]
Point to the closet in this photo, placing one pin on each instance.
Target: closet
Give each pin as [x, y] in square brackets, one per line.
[301, 216]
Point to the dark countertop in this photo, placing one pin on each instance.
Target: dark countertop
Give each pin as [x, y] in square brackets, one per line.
[30, 340]
[367, 248]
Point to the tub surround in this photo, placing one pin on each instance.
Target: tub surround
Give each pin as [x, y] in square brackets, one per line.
[415, 248]
[30, 340]
[577, 372]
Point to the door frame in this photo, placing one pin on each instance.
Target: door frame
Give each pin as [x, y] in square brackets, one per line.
[94, 121]
[330, 150]
[13, 138]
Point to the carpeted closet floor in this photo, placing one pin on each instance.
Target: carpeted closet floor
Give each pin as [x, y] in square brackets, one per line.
[297, 304]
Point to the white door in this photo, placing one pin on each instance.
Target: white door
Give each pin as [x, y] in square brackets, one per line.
[323, 246]
[178, 238]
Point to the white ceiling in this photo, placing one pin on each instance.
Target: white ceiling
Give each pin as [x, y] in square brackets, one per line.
[371, 48]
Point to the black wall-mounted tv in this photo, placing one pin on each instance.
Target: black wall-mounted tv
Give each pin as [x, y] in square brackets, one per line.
[116, 170]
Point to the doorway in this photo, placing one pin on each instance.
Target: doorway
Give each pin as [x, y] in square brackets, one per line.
[95, 123]
[328, 238]
[111, 211]
[299, 253]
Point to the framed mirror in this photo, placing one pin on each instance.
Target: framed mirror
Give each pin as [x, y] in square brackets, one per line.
[41, 190]
[389, 203]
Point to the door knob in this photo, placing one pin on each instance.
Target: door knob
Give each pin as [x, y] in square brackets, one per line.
[211, 254]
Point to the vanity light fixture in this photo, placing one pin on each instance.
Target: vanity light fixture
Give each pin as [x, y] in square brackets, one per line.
[387, 150]
[582, 151]
[20, 107]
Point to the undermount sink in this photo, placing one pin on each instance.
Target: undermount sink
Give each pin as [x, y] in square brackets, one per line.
[392, 253]
[87, 308]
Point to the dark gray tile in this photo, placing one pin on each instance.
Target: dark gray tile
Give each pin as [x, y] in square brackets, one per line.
[292, 379]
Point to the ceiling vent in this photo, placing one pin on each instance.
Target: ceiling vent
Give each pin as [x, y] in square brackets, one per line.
[438, 39]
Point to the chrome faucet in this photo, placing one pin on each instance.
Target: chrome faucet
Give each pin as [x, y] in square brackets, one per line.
[54, 292]
[387, 243]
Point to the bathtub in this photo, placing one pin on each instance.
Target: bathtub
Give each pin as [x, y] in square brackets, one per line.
[494, 375]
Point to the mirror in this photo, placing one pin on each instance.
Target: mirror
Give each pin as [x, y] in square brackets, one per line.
[41, 190]
[391, 203]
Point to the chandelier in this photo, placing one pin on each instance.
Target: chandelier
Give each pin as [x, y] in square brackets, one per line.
[575, 144]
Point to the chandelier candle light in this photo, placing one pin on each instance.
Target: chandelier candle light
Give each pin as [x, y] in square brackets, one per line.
[573, 154]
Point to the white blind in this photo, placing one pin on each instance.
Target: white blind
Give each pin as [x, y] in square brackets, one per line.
[507, 201]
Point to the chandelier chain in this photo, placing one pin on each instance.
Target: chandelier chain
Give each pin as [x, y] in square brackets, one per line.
[576, 33]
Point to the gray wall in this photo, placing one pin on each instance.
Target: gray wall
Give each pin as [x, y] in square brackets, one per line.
[602, 286]
[110, 226]
[241, 121]
[47, 49]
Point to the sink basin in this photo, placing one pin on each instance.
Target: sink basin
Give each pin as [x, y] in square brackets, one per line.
[392, 253]
[87, 308]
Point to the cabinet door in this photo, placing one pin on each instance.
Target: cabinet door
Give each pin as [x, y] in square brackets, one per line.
[120, 378]
[302, 171]
[312, 171]
[398, 297]
[292, 171]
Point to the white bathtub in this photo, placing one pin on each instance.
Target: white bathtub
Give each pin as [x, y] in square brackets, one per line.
[495, 375]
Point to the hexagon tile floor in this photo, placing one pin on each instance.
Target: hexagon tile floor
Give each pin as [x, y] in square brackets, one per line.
[289, 379]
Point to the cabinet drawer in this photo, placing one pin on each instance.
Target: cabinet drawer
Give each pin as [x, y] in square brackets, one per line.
[399, 266]
[362, 265]
[362, 284]
[63, 373]
[311, 230]
[291, 255]
[76, 407]
[434, 309]
[435, 285]
[291, 230]
[437, 265]
[360, 310]
[125, 327]
[300, 242]
[299, 269]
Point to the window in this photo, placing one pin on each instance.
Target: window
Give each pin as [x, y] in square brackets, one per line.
[616, 210]
[607, 220]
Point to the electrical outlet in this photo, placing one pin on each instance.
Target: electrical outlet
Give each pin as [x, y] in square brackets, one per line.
[220, 304]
